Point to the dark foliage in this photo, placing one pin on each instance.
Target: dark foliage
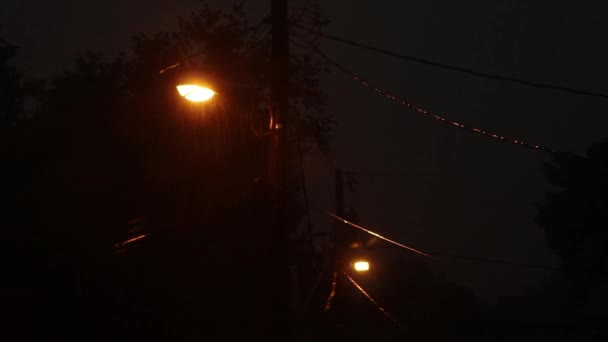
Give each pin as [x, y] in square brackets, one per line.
[575, 216]
[11, 97]
[112, 142]
[570, 305]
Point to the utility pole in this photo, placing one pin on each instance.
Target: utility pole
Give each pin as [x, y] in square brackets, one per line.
[339, 192]
[343, 237]
[338, 238]
[277, 276]
[338, 250]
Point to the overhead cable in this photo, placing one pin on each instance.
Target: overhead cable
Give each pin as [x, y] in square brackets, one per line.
[380, 308]
[411, 249]
[332, 293]
[435, 116]
[440, 254]
[496, 261]
[457, 68]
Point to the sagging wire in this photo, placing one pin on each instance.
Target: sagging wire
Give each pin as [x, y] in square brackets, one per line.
[443, 119]
[453, 67]
[428, 113]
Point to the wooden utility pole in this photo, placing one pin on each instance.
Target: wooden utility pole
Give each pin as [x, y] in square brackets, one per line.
[344, 237]
[338, 252]
[277, 280]
[339, 192]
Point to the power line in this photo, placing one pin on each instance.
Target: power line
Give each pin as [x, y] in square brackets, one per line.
[457, 68]
[432, 115]
[489, 260]
[496, 261]
[332, 293]
[380, 308]
[411, 249]
[433, 254]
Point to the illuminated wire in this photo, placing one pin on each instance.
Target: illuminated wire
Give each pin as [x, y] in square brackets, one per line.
[332, 293]
[380, 308]
[456, 68]
[433, 254]
[440, 254]
[421, 110]
[432, 115]
[126, 242]
[377, 235]
[454, 256]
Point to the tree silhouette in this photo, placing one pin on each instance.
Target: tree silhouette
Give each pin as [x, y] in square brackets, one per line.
[21, 250]
[574, 217]
[11, 97]
[114, 142]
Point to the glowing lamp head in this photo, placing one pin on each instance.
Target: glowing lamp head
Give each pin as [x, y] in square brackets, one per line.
[361, 266]
[195, 93]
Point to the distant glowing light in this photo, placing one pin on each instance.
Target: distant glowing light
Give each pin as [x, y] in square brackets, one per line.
[126, 242]
[195, 93]
[361, 266]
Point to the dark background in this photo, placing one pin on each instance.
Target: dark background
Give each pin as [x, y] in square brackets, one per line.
[437, 187]
[428, 185]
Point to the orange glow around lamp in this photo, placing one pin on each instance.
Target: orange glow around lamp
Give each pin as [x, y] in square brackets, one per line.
[195, 93]
[361, 266]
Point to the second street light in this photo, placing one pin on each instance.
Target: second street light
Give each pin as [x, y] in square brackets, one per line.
[361, 266]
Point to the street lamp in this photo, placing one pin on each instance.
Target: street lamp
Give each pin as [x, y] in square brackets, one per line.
[277, 275]
[195, 92]
[361, 266]
[197, 86]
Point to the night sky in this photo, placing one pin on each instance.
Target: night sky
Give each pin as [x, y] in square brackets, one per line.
[429, 185]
